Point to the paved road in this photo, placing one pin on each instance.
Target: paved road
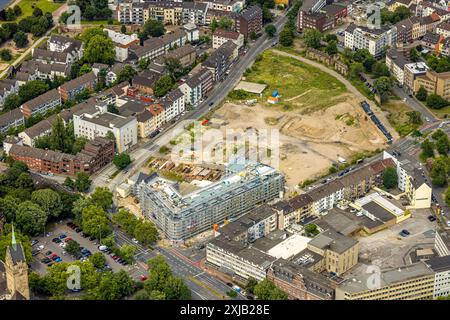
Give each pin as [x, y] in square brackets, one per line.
[56, 14]
[415, 105]
[144, 151]
[203, 286]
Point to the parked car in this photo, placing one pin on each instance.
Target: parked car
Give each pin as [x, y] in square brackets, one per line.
[406, 232]
[91, 238]
[77, 230]
[49, 253]
[62, 236]
[33, 242]
[135, 241]
[46, 260]
[56, 240]
[143, 277]
[431, 218]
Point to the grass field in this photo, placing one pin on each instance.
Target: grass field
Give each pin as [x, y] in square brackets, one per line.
[299, 85]
[441, 113]
[44, 5]
[398, 118]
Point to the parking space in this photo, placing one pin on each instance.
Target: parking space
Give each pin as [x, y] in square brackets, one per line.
[388, 248]
[52, 246]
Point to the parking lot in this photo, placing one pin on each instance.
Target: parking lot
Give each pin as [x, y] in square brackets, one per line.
[388, 248]
[50, 248]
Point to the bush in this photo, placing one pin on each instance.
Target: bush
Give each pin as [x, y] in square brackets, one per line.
[435, 101]
[5, 54]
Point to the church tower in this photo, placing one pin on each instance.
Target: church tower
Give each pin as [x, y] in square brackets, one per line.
[16, 269]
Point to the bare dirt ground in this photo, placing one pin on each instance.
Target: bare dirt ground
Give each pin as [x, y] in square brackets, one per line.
[309, 143]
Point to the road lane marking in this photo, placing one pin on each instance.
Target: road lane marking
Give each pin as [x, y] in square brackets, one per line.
[195, 280]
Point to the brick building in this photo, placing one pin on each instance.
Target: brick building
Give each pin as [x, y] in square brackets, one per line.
[251, 20]
[95, 155]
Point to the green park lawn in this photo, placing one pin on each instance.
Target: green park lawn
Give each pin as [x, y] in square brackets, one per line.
[44, 5]
[397, 117]
[300, 85]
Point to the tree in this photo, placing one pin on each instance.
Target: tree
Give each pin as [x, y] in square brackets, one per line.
[368, 63]
[82, 182]
[173, 66]
[447, 197]
[163, 85]
[144, 63]
[11, 102]
[443, 145]
[73, 248]
[142, 295]
[98, 260]
[356, 69]
[390, 178]
[422, 94]
[271, 30]
[312, 38]
[6, 241]
[24, 181]
[90, 33]
[94, 221]
[414, 117]
[126, 220]
[311, 230]
[8, 207]
[127, 253]
[331, 48]
[380, 70]
[214, 25]
[17, 10]
[30, 218]
[153, 28]
[360, 55]
[232, 294]
[126, 74]
[58, 135]
[48, 200]
[5, 54]
[85, 68]
[123, 29]
[251, 283]
[414, 55]
[286, 37]
[440, 170]
[100, 49]
[122, 160]
[176, 289]
[145, 232]
[225, 23]
[69, 183]
[266, 290]
[427, 149]
[383, 85]
[21, 39]
[32, 89]
[435, 101]
[102, 197]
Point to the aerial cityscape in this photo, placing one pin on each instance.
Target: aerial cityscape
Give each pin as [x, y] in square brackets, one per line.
[231, 150]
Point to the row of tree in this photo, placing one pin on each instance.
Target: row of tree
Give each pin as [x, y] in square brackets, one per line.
[440, 168]
[144, 231]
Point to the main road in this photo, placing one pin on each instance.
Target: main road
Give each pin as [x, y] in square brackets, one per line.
[142, 152]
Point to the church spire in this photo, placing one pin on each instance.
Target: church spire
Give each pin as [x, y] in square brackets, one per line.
[13, 239]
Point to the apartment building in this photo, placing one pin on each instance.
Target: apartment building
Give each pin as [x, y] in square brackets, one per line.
[299, 283]
[61, 44]
[145, 81]
[212, 15]
[42, 104]
[122, 42]
[70, 89]
[97, 122]
[396, 61]
[225, 5]
[339, 252]
[173, 104]
[443, 29]
[327, 196]
[441, 268]
[183, 215]
[156, 47]
[434, 83]
[236, 259]
[197, 86]
[185, 54]
[442, 243]
[374, 40]
[35, 70]
[293, 210]
[220, 60]
[130, 12]
[222, 36]
[411, 71]
[8, 87]
[11, 120]
[250, 20]
[411, 282]
[95, 155]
